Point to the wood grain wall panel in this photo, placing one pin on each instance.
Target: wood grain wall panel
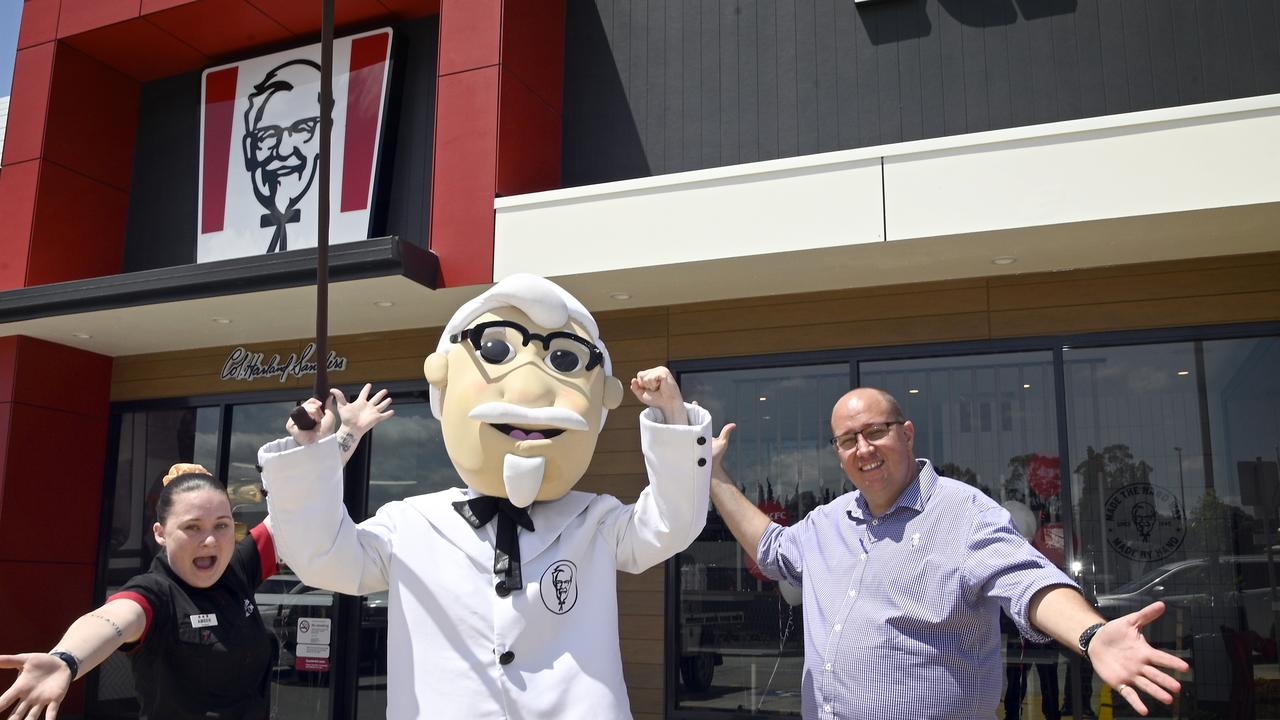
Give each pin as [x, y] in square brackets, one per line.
[651, 580]
[645, 675]
[1171, 312]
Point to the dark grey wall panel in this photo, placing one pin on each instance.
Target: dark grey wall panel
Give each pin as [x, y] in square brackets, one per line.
[661, 86]
[161, 229]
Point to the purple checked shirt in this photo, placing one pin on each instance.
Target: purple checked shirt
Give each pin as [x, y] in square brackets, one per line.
[902, 611]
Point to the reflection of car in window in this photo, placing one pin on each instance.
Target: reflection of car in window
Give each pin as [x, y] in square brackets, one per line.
[1236, 592]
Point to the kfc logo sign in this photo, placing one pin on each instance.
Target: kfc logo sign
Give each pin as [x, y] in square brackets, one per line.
[260, 143]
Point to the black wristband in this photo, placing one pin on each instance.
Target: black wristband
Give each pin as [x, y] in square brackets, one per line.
[70, 660]
[1086, 637]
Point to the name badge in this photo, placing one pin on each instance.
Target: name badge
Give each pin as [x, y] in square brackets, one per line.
[199, 621]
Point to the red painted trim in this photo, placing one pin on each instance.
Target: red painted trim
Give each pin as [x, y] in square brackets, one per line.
[470, 34]
[29, 104]
[18, 186]
[464, 176]
[364, 100]
[79, 16]
[266, 550]
[142, 603]
[39, 22]
[219, 112]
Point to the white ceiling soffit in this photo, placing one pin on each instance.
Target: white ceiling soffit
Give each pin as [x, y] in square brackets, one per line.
[1167, 184]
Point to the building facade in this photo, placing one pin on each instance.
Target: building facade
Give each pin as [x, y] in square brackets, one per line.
[1049, 228]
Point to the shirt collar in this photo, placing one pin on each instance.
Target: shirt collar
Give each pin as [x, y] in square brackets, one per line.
[914, 496]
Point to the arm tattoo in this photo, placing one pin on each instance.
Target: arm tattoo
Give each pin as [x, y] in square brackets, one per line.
[105, 619]
[345, 440]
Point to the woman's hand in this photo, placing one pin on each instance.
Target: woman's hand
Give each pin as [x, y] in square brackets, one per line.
[43, 680]
[364, 412]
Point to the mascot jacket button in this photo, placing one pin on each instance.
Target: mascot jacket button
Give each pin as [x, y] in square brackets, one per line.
[702, 441]
[506, 657]
[502, 589]
[702, 461]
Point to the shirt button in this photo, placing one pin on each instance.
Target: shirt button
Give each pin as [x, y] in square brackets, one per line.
[864, 556]
[836, 628]
[702, 441]
[506, 658]
[702, 461]
[502, 589]
[853, 593]
[875, 522]
[826, 708]
[827, 667]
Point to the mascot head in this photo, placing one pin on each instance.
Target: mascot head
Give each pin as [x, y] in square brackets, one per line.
[521, 384]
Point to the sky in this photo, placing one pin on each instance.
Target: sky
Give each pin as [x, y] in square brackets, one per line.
[10, 13]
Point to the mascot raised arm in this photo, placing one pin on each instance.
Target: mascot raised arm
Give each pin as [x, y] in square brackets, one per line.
[503, 597]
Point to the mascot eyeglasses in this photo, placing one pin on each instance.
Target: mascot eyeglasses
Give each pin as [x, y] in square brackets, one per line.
[564, 352]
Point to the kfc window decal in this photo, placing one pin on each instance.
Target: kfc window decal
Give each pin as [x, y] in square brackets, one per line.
[259, 128]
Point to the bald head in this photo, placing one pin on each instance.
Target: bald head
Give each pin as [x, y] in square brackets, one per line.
[863, 395]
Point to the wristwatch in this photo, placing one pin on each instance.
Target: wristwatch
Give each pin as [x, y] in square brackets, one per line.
[69, 659]
[1086, 637]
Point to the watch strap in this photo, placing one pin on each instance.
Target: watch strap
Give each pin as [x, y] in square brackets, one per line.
[72, 663]
[1086, 637]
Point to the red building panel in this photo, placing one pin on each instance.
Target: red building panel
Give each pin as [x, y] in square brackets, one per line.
[218, 28]
[40, 377]
[79, 226]
[28, 104]
[412, 8]
[470, 34]
[18, 185]
[528, 140]
[533, 47]
[35, 620]
[139, 49]
[39, 22]
[93, 119]
[150, 6]
[464, 176]
[8, 380]
[303, 18]
[77, 16]
[46, 486]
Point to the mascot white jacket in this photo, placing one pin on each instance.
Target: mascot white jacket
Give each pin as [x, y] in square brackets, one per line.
[503, 599]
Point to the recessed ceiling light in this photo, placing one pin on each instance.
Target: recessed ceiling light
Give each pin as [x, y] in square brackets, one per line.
[1004, 260]
[763, 398]
[221, 320]
[1026, 386]
[765, 417]
[1184, 372]
[914, 391]
[384, 303]
[620, 295]
[81, 336]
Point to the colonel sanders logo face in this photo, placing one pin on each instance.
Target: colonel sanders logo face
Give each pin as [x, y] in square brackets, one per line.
[282, 143]
[1144, 522]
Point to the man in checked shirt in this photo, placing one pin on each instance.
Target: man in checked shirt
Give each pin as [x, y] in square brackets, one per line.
[904, 580]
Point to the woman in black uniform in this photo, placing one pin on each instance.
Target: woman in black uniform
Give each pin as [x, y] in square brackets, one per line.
[196, 641]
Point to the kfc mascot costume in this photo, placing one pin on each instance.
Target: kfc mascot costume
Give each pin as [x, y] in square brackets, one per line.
[503, 599]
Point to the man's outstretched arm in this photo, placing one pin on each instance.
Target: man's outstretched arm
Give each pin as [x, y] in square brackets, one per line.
[1119, 653]
[744, 519]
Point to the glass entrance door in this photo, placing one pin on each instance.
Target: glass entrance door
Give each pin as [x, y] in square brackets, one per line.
[303, 619]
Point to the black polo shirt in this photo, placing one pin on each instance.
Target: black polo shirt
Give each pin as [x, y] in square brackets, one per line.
[205, 652]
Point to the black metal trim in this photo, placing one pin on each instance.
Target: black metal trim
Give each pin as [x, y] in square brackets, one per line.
[378, 257]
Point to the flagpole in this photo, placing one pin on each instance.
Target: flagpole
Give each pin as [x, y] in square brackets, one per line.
[321, 388]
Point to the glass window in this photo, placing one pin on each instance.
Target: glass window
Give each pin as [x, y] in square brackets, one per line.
[150, 442]
[407, 458]
[740, 643]
[1174, 457]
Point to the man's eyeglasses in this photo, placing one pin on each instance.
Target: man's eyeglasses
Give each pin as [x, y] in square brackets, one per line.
[872, 433]
[496, 341]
